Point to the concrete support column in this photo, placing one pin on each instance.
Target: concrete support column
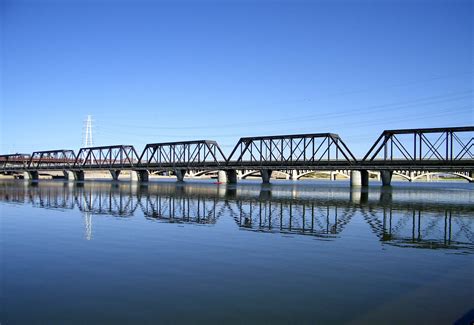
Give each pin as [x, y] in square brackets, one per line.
[386, 176]
[221, 176]
[412, 176]
[239, 174]
[332, 176]
[31, 175]
[74, 175]
[139, 175]
[359, 178]
[180, 174]
[294, 174]
[428, 177]
[78, 175]
[69, 175]
[231, 176]
[115, 174]
[266, 175]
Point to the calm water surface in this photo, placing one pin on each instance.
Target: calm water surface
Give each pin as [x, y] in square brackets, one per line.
[101, 252]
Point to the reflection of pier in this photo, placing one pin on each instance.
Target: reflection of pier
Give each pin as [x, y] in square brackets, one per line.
[397, 218]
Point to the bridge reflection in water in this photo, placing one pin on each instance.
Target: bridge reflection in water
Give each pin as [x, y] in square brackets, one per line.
[416, 218]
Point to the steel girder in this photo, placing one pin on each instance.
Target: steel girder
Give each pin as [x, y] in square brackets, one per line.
[52, 159]
[14, 161]
[291, 151]
[107, 157]
[423, 147]
[187, 154]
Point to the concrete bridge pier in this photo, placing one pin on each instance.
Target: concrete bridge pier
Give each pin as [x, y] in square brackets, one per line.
[222, 176]
[30, 175]
[294, 175]
[74, 175]
[139, 175]
[231, 176]
[386, 176]
[79, 175]
[227, 176]
[69, 175]
[471, 175]
[359, 178]
[115, 174]
[266, 175]
[180, 174]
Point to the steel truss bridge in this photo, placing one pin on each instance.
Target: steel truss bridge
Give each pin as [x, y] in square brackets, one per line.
[409, 153]
[394, 222]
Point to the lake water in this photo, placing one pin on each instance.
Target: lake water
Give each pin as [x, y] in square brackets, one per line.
[303, 252]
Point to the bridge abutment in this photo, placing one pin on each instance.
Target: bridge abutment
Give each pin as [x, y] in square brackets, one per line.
[359, 178]
[266, 175]
[139, 175]
[386, 176]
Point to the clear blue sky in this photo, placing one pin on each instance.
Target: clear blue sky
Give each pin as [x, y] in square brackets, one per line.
[167, 71]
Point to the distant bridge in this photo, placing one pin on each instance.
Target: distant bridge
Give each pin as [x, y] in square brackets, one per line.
[409, 153]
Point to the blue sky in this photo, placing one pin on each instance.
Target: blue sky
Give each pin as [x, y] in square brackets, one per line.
[168, 71]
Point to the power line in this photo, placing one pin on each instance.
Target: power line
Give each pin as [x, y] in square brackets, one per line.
[418, 102]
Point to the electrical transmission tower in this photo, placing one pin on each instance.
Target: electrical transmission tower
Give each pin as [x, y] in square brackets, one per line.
[87, 132]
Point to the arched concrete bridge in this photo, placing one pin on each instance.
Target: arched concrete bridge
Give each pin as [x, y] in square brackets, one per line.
[409, 153]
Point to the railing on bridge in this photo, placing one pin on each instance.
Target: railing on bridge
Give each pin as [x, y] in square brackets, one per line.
[433, 146]
[52, 159]
[187, 154]
[118, 156]
[14, 161]
[300, 150]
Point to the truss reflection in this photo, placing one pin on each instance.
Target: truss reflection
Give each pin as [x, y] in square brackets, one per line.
[402, 219]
